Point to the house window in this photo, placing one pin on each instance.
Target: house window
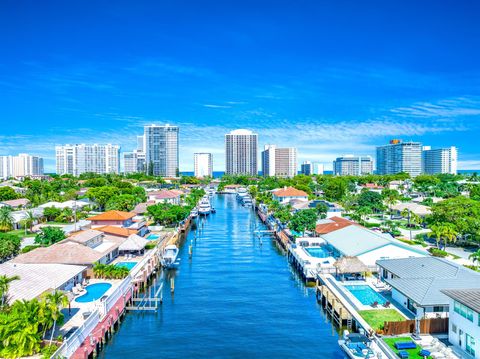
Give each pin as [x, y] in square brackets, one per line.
[469, 344]
[463, 310]
[411, 307]
[438, 309]
[454, 328]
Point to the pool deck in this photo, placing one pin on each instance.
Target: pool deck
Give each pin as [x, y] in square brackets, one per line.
[307, 264]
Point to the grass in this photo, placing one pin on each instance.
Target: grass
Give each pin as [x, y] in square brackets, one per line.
[21, 233]
[377, 317]
[414, 242]
[413, 353]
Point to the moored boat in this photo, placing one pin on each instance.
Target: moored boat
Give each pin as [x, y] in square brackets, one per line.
[169, 256]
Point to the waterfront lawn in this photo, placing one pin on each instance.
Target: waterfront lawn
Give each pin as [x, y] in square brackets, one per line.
[413, 353]
[377, 317]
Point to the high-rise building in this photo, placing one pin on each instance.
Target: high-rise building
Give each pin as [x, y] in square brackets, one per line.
[20, 166]
[439, 160]
[279, 162]
[399, 157]
[241, 153]
[350, 165]
[161, 150]
[135, 161]
[203, 165]
[81, 158]
[311, 168]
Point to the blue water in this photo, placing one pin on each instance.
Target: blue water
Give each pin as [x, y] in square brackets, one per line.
[318, 252]
[94, 292]
[128, 265]
[365, 294]
[236, 298]
[152, 237]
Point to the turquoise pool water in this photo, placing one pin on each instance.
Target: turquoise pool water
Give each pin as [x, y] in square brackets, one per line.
[153, 237]
[128, 265]
[365, 294]
[94, 292]
[318, 252]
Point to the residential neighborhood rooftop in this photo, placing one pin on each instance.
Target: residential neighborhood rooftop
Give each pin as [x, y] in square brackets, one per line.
[290, 192]
[469, 297]
[112, 216]
[332, 224]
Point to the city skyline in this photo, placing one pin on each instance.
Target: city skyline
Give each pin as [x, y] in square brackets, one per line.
[320, 84]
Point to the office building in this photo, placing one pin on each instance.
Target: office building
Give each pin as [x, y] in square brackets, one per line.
[20, 166]
[311, 168]
[399, 156]
[440, 160]
[350, 165]
[241, 153]
[161, 150]
[279, 162]
[81, 158]
[203, 165]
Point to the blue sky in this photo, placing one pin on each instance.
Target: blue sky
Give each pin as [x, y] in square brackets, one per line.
[330, 78]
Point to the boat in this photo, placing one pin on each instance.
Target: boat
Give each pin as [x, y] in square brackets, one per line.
[204, 207]
[241, 193]
[169, 256]
[357, 345]
[213, 210]
[194, 212]
[247, 201]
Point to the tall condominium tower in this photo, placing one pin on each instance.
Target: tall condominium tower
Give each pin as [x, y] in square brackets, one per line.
[203, 165]
[398, 157]
[279, 162]
[135, 161]
[350, 165]
[161, 150]
[20, 166]
[311, 168]
[81, 158]
[241, 152]
[440, 160]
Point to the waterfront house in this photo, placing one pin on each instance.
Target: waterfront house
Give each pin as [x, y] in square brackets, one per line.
[286, 194]
[112, 218]
[464, 320]
[417, 283]
[415, 208]
[117, 231]
[133, 244]
[82, 248]
[369, 246]
[81, 225]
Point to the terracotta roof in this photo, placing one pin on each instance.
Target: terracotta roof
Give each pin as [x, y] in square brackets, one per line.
[164, 194]
[371, 185]
[141, 208]
[16, 202]
[112, 216]
[117, 231]
[290, 192]
[332, 224]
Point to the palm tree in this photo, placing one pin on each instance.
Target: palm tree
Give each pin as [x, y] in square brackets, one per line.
[29, 220]
[4, 286]
[55, 302]
[6, 219]
[449, 234]
[437, 232]
[475, 257]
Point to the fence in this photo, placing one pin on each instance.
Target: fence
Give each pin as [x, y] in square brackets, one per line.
[427, 326]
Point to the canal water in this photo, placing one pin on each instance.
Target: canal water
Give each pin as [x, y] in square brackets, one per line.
[236, 298]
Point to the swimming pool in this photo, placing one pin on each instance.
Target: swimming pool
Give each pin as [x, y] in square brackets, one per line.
[94, 292]
[128, 265]
[318, 252]
[365, 294]
[152, 237]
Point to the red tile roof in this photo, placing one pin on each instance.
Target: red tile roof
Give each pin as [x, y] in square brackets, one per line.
[164, 194]
[117, 231]
[335, 224]
[290, 192]
[112, 216]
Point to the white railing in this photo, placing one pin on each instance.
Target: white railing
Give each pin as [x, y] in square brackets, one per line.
[72, 343]
[110, 301]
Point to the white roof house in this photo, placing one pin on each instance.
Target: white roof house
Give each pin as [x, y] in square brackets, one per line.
[418, 209]
[66, 204]
[133, 243]
[36, 279]
[368, 246]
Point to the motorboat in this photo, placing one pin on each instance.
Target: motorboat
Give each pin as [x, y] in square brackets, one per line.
[357, 345]
[247, 201]
[169, 256]
[241, 193]
[213, 210]
[194, 212]
[204, 207]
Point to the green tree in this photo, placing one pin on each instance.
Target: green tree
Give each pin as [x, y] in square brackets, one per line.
[6, 219]
[54, 303]
[122, 202]
[335, 188]
[51, 213]
[49, 235]
[304, 220]
[101, 195]
[371, 199]
[4, 286]
[283, 214]
[321, 209]
[168, 214]
[9, 246]
[7, 193]
[475, 257]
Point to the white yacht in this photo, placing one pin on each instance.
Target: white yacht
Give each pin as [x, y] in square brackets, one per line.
[241, 193]
[204, 207]
[194, 212]
[169, 256]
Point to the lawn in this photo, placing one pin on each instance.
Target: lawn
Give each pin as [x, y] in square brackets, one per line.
[377, 318]
[413, 353]
[21, 233]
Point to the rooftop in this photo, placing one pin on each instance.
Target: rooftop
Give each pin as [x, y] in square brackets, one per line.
[85, 236]
[16, 202]
[469, 297]
[117, 231]
[112, 216]
[423, 279]
[290, 192]
[36, 279]
[332, 224]
[165, 194]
